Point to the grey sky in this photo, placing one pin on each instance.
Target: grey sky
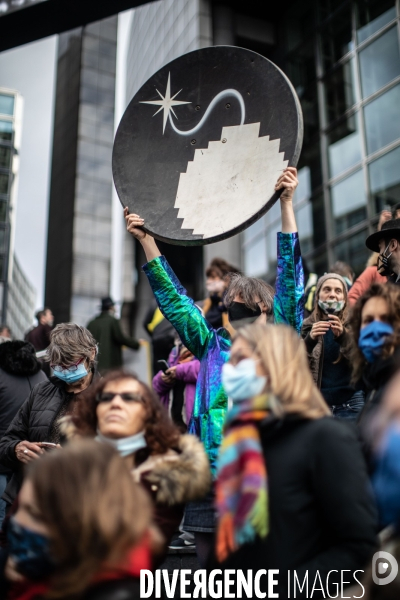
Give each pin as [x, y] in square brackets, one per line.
[30, 70]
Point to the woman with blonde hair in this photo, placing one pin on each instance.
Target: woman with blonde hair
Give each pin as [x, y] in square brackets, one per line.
[292, 490]
[82, 528]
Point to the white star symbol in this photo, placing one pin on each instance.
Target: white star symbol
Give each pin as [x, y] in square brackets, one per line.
[166, 103]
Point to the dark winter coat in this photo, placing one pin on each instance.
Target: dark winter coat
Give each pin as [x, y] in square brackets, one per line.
[33, 422]
[20, 371]
[107, 331]
[39, 337]
[315, 348]
[321, 511]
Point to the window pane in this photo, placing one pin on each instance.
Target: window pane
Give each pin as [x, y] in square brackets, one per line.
[6, 130]
[380, 62]
[3, 211]
[2, 239]
[305, 227]
[372, 15]
[3, 183]
[318, 208]
[344, 146]
[2, 263]
[353, 251]
[336, 38]
[382, 120]
[252, 231]
[349, 201]
[5, 157]
[339, 91]
[384, 179]
[255, 258]
[6, 104]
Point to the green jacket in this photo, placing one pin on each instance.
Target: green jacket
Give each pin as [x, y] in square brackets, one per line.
[106, 330]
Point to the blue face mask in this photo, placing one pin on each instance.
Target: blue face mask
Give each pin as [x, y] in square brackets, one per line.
[72, 376]
[30, 551]
[242, 382]
[372, 338]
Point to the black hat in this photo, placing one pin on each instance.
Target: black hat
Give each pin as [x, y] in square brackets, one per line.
[107, 303]
[390, 230]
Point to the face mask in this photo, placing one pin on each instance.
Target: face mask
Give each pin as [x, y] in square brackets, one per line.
[385, 268]
[242, 382]
[215, 286]
[372, 338]
[72, 376]
[124, 446]
[331, 307]
[238, 311]
[30, 551]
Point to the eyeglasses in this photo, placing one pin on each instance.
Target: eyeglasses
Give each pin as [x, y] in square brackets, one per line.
[125, 396]
[71, 368]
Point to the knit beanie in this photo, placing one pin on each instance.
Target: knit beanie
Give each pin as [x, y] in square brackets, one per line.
[324, 278]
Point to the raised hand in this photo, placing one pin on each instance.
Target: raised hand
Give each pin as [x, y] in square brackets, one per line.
[134, 225]
[288, 182]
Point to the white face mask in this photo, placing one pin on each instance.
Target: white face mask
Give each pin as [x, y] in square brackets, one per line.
[215, 286]
[124, 446]
[241, 382]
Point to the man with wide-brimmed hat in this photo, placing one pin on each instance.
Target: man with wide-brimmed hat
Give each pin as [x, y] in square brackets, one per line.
[106, 329]
[387, 243]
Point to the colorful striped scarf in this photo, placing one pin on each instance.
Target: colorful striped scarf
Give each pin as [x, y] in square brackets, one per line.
[242, 484]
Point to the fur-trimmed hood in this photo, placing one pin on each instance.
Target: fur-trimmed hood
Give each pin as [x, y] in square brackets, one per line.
[177, 476]
[19, 358]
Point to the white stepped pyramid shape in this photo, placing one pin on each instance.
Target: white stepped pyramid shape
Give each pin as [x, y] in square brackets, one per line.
[229, 181]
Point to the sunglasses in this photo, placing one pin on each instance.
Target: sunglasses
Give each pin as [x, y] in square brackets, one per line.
[125, 396]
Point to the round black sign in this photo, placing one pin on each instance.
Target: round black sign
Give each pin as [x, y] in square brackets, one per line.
[202, 143]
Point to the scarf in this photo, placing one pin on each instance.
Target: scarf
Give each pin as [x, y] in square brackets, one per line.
[242, 485]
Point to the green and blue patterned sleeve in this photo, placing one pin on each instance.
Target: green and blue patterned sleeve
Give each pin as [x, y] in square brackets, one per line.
[177, 307]
[289, 288]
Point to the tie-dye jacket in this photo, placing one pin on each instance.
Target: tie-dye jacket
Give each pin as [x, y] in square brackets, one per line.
[212, 346]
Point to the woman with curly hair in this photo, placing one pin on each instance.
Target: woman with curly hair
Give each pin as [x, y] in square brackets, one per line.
[123, 412]
[327, 339]
[375, 326]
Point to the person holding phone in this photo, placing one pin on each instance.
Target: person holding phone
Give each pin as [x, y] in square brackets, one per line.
[326, 335]
[179, 376]
[72, 356]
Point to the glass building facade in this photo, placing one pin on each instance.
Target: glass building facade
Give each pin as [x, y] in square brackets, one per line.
[344, 62]
[79, 237]
[7, 141]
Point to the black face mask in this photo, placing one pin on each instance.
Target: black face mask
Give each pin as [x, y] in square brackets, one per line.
[384, 261]
[238, 311]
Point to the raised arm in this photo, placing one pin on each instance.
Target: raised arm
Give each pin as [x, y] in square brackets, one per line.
[289, 287]
[176, 306]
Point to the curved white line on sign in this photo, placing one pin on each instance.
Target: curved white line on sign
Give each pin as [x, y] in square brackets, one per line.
[213, 102]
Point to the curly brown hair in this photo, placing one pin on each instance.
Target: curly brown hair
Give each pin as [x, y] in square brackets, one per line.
[160, 433]
[391, 294]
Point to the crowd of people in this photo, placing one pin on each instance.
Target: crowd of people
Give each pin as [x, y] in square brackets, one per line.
[270, 438]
